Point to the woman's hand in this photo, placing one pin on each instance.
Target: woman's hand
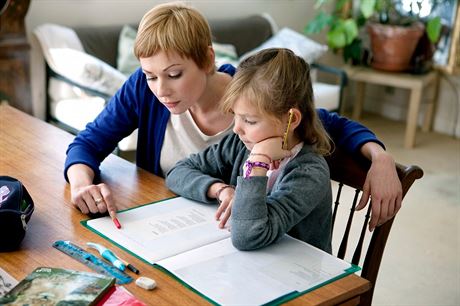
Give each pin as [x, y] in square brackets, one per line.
[382, 185]
[93, 199]
[86, 196]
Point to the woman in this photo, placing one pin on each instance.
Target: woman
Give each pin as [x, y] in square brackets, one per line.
[178, 77]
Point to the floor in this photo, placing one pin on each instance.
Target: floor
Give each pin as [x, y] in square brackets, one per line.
[421, 263]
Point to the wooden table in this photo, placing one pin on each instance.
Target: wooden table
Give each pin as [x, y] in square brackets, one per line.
[415, 83]
[34, 152]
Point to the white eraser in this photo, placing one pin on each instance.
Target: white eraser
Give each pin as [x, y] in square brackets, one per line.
[146, 283]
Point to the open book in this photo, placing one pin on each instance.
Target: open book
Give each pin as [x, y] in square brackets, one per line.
[182, 236]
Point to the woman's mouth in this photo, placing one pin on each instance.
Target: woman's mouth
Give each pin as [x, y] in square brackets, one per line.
[170, 104]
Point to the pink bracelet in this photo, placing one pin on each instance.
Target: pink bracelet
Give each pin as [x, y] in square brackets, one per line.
[249, 165]
[262, 154]
[218, 192]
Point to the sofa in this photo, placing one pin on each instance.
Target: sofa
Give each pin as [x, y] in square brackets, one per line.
[73, 101]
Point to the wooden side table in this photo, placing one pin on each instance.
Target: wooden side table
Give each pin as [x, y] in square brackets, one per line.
[415, 83]
[15, 57]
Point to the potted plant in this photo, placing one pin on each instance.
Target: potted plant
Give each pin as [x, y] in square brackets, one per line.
[387, 21]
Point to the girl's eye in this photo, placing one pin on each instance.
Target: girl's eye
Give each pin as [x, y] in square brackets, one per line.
[151, 78]
[249, 122]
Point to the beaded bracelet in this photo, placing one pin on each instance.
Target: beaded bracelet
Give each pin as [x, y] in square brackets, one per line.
[218, 192]
[262, 154]
[248, 165]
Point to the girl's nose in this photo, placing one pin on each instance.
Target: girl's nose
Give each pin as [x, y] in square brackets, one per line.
[237, 127]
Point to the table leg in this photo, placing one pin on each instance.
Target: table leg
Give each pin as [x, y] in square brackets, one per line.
[412, 116]
[358, 105]
[428, 119]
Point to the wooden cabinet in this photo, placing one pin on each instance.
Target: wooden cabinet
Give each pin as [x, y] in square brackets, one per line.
[15, 57]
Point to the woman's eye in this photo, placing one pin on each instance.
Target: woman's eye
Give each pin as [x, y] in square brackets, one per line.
[151, 78]
[175, 75]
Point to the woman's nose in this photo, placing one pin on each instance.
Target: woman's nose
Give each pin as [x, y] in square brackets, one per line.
[163, 89]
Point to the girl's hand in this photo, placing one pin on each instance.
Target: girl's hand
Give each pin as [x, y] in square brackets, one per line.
[271, 147]
[225, 208]
[93, 199]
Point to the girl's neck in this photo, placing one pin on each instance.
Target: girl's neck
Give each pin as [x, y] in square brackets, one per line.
[293, 141]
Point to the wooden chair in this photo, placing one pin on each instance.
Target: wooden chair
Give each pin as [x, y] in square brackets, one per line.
[351, 172]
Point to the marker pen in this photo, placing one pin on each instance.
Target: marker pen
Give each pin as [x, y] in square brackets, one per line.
[107, 254]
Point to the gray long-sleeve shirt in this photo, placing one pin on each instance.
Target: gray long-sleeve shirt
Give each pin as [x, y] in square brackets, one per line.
[299, 203]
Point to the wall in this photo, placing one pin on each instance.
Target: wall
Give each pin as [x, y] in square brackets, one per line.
[391, 103]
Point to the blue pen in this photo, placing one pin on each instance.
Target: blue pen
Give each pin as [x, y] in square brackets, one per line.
[107, 254]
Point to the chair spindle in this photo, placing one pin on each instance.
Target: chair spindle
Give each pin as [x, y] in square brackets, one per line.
[359, 246]
[343, 245]
[336, 206]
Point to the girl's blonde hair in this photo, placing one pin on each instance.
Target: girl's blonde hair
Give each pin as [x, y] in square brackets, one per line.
[276, 80]
[174, 27]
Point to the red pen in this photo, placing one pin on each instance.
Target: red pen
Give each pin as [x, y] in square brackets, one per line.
[114, 219]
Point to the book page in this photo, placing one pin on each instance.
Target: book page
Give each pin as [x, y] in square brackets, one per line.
[7, 282]
[229, 276]
[159, 230]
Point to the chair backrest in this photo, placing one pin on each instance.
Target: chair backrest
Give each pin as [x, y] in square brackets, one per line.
[351, 172]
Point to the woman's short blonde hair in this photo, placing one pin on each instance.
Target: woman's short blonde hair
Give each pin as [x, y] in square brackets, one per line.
[174, 27]
[274, 81]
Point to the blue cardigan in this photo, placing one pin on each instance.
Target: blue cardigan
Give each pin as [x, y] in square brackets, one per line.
[135, 106]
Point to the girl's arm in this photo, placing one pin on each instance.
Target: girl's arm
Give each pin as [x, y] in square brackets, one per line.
[300, 202]
[201, 175]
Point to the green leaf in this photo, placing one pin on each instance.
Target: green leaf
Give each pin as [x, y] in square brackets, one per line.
[353, 52]
[367, 8]
[433, 29]
[340, 4]
[336, 39]
[350, 28]
[320, 21]
[342, 33]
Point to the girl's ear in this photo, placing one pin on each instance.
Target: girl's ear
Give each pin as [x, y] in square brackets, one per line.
[296, 118]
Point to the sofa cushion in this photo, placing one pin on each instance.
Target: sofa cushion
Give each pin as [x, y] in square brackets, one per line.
[127, 63]
[327, 96]
[86, 70]
[301, 45]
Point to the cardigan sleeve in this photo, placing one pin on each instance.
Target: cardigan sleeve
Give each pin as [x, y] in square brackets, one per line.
[117, 120]
[346, 133]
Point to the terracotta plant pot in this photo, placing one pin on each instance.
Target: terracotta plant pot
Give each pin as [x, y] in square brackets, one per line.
[392, 46]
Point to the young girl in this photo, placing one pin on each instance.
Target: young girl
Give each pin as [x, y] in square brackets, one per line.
[274, 158]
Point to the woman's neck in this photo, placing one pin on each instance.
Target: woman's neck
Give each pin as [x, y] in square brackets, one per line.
[213, 93]
[206, 112]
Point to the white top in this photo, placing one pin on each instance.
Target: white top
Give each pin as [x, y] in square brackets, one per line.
[183, 137]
